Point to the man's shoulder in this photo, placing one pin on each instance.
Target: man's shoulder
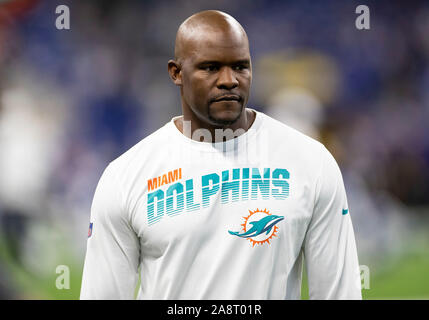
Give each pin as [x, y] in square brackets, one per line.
[298, 148]
[286, 135]
[142, 150]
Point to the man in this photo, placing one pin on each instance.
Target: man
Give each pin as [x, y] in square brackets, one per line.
[223, 202]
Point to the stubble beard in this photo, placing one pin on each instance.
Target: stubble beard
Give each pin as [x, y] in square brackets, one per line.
[222, 122]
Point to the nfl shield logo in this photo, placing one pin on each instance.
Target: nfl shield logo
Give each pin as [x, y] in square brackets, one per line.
[90, 230]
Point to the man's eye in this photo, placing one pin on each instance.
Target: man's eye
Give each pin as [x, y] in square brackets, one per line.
[239, 67]
[210, 68]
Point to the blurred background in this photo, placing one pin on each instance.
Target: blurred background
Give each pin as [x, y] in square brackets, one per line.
[73, 100]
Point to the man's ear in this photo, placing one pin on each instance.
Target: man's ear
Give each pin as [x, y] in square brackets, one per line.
[175, 71]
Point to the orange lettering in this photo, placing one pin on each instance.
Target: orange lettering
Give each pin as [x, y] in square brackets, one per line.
[164, 179]
[152, 184]
[172, 176]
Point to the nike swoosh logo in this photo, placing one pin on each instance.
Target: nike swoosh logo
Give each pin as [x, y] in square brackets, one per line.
[345, 211]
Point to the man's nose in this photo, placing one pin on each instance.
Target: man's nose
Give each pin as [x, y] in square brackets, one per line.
[227, 79]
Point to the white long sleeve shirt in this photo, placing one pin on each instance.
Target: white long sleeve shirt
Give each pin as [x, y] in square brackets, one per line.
[232, 220]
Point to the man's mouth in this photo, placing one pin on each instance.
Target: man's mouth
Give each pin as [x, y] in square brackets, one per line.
[228, 98]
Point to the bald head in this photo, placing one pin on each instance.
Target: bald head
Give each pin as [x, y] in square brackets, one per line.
[198, 27]
[213, 69]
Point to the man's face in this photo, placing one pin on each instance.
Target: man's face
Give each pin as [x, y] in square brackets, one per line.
[216, 77]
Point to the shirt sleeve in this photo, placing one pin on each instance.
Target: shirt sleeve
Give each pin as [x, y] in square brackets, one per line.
[113, 251]
[329, 247]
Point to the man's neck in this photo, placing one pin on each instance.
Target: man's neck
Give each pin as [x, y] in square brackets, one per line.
[195, 129]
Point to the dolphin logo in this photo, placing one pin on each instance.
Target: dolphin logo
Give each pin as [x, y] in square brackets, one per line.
[259, 227]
